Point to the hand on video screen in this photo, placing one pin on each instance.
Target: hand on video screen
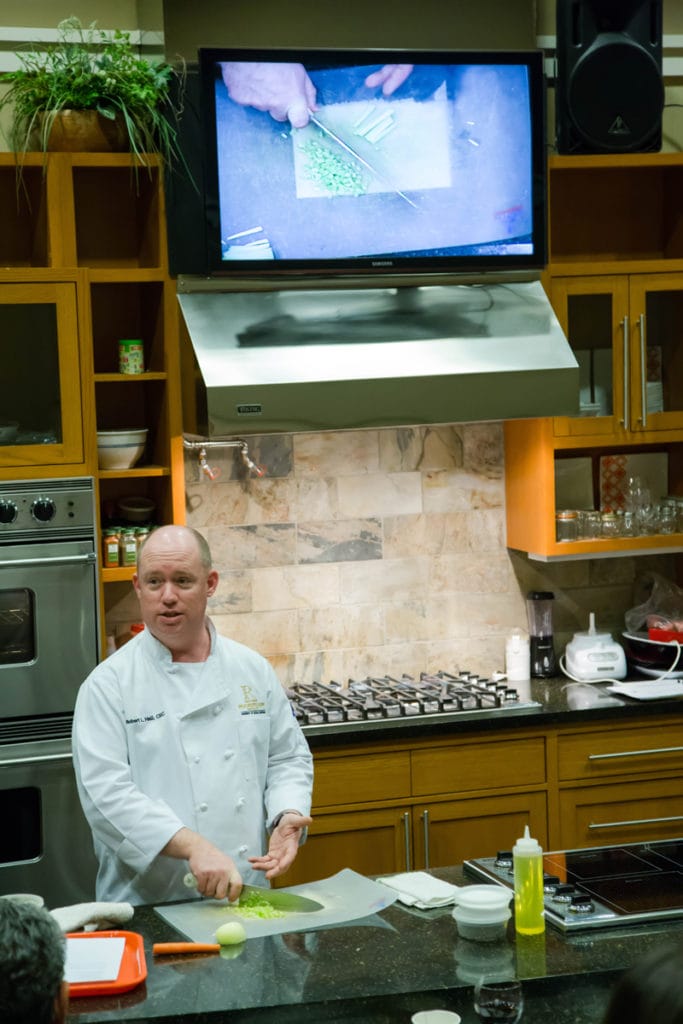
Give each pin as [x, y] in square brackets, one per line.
[283, 90]
[390, 77]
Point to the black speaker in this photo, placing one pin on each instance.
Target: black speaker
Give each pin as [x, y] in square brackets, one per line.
[609, 92]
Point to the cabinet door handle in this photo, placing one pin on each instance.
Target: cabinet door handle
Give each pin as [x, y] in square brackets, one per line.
[626, 418]
[643, 370]
[636, 821]
[406, 836]
[635, 753]
[425, 828]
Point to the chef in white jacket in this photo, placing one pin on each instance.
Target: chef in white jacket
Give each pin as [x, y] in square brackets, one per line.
[186, 750]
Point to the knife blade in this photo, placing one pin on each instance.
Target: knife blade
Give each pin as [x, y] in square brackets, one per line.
[352, 152]
[288, 902]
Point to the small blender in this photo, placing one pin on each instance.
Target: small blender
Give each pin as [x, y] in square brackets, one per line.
[539, 605]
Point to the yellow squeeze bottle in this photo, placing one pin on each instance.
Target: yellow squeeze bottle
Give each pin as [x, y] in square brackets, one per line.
[527, 863]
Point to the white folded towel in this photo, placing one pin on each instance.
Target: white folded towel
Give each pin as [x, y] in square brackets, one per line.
[92, 916]
[418, 889]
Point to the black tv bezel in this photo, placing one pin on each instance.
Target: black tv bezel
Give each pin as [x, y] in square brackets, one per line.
[371, 267]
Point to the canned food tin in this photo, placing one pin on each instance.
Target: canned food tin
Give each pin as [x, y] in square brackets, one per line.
[131, 355]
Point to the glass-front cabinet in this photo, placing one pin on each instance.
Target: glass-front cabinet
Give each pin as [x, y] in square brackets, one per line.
[41, 415]
[627, 335]
[610, 479]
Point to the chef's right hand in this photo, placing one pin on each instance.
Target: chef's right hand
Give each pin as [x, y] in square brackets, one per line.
[216, 873]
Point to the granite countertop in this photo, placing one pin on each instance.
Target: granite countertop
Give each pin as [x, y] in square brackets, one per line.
[379, 969]
[543, 702]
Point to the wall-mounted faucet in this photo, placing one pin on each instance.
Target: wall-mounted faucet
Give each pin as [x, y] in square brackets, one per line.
[201, 444]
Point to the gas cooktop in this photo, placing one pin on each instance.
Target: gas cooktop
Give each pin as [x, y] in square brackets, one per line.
[602, 886]
[385, 702]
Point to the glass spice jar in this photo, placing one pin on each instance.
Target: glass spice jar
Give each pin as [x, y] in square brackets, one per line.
[591, 524]
[610, 525]
[128, 547]
[141, 535]
[110, 549]
[566, 525]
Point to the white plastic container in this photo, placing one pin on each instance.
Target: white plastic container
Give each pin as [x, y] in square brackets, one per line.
[482, 912]
[517, 657]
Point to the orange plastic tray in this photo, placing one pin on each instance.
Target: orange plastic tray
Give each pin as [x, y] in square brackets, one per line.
[132, 972]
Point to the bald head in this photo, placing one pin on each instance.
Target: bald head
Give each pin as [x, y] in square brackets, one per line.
[170, 538]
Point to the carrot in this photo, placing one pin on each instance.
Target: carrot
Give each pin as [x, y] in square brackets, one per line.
[162, 948]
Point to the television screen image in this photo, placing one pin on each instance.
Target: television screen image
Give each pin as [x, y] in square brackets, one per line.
[443, 172]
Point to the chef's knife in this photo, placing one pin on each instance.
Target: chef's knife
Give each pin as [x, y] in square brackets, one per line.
[352, 152]
[288, 902]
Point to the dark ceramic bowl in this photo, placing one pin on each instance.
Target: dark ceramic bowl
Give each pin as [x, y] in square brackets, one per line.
[653, 657]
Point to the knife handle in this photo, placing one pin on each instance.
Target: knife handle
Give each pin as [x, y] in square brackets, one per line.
[163, 948]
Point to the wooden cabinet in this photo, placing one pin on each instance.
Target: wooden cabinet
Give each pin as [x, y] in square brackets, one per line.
[397, 807]
[615, 280]
[84, 238]
[620, 785]
[436, 801]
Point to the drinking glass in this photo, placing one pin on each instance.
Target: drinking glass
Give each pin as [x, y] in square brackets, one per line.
[498, 999]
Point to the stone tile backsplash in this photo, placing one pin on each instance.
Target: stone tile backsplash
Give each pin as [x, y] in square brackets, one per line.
[382, 551]
[370, 552]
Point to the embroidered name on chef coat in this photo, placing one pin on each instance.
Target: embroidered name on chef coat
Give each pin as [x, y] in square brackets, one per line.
[146, 718]
[250, 705]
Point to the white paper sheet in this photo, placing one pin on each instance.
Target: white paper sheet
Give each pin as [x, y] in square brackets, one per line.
[93, 959]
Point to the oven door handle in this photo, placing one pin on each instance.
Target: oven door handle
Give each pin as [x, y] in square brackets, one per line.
[22, 563]
[40, 759]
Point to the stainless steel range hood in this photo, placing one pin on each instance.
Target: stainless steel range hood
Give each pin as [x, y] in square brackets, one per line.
[292, 360]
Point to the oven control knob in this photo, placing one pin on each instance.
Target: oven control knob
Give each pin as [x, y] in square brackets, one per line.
[43, 510]
[8, 511]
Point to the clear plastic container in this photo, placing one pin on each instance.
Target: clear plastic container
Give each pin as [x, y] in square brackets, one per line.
[482, 912]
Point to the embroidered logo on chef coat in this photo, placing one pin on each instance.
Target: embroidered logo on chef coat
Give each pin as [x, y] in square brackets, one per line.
[251, 705]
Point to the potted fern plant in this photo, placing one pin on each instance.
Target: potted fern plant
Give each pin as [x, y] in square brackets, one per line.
[127, 101]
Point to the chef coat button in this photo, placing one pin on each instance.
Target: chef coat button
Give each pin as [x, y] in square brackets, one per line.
[226, 755]
[217, 710]
[241, 802]
[197, 760]
[243, 849]
[203, 807]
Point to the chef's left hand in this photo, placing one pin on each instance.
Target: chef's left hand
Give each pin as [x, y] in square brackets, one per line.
[283, 846]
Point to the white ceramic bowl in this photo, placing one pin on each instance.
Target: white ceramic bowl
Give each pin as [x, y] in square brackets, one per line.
[120, 449]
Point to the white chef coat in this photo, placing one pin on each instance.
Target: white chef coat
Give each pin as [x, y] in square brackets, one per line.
[224, 765]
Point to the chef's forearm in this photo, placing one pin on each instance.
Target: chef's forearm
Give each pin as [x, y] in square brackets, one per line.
[183, 844]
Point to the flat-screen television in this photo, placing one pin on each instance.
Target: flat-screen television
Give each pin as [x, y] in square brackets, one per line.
[373, 162]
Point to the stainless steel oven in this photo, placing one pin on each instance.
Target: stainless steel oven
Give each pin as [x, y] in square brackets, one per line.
[49, 642]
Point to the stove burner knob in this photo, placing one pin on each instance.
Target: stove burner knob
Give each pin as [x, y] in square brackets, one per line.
[43, 510]
[8, 511]
[503, 859]
[550, 883]
[581, 904]
[564, 893]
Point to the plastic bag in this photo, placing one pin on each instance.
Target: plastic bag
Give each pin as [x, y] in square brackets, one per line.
[662, 607]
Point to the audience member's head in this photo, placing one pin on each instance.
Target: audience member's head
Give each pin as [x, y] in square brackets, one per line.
[32, 953]
[651, 992]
